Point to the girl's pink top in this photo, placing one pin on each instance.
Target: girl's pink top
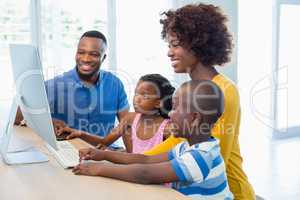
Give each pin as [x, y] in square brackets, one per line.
[139, 145]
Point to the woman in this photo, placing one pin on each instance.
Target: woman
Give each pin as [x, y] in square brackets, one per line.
[198, 40]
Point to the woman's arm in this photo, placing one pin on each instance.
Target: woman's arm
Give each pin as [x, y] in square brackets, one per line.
[227, 127]
[169, 142]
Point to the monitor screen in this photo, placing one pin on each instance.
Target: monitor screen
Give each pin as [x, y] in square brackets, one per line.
[31, 94]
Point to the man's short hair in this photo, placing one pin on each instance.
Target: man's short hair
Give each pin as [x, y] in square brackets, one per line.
[95, 34]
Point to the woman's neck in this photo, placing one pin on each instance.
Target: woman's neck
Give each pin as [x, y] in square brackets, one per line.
[201, 72]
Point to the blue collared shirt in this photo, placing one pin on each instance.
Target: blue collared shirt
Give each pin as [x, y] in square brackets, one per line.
[201, 170]
[92, 109]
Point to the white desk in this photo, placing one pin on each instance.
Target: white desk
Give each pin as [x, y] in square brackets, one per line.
[49, 181]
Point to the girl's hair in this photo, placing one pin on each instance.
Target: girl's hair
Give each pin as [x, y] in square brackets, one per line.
[165, 90]
[201, 29]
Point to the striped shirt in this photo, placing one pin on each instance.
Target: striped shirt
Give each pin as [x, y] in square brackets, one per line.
[201, 170]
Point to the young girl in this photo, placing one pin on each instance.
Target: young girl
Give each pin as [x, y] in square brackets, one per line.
[148, 125]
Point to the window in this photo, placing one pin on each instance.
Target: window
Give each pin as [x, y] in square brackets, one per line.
[140, 49]
[14, 28]
[286, 65]
[63, 22]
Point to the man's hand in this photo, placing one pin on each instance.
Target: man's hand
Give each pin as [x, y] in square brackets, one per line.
[58, 126]
[91, 154]
[91, 169]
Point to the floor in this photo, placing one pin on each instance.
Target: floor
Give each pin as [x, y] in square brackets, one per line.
[273, 166]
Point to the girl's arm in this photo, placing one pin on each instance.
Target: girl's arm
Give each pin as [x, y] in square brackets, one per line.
[127, 140]
[120, 130]
[107, 140]
[89, 138]
[168, 130]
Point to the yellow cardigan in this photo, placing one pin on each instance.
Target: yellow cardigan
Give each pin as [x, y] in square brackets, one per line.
[226, 130]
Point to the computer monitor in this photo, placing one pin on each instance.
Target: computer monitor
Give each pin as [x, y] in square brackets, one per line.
[32, 99]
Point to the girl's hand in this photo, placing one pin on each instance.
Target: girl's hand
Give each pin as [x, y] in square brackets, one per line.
[91, 154]
[58, 125]
[91, 169]
[73, 133]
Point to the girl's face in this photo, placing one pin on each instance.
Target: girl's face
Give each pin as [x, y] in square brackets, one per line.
[146, 98]
[183, 60]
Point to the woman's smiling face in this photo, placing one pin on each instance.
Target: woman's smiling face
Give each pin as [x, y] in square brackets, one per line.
[182, 60]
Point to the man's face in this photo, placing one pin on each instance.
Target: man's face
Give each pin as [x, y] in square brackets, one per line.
[89, 56]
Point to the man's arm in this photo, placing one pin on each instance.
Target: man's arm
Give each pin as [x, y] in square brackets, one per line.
[122, 105]
[57, 124]
[154, 173]
[19, 116]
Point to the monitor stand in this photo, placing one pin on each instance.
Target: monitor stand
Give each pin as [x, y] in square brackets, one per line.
[19, 156]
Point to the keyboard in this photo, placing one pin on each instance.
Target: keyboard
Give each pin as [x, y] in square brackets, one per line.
[67, 155]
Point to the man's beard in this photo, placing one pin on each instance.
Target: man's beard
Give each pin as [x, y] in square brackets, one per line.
[87, 77]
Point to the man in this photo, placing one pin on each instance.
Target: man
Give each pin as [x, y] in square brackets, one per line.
[87, 98]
